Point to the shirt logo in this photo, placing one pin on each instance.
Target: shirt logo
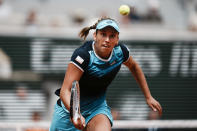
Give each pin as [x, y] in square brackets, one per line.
[113, 62]
[79, 59]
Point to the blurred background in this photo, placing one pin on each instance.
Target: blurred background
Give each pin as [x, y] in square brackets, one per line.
[37, 38]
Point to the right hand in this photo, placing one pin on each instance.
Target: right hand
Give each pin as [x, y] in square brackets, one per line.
[80, 123]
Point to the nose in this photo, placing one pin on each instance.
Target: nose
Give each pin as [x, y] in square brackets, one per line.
[107, 39]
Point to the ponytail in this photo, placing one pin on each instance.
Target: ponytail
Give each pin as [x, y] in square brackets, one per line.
[85, 31]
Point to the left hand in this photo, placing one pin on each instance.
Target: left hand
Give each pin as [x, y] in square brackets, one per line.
[154, 105]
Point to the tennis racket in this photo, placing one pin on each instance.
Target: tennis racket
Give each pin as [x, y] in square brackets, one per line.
[75, 102]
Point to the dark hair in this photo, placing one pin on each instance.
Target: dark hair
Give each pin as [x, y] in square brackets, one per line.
[85, 31]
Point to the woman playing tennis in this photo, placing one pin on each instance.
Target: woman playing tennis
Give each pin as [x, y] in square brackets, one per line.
[95, 64]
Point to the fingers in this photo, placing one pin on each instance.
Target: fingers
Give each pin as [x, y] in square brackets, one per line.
[79, 123]
[157, 107]
[83, 121]
[153, 108]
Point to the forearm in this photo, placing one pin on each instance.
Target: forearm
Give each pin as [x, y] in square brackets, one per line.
[65, 97]
[141, 80]
[72, 74]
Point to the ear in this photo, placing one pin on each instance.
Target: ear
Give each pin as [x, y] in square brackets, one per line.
[94, 36]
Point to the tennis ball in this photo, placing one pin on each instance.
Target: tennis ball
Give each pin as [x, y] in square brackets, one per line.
[124, 9]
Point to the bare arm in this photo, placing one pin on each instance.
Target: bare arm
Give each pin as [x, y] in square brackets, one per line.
[141, 80]
[72, 74]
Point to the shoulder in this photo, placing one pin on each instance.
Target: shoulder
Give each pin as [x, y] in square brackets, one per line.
[123, 47]
[86, 46]
[124, 50]
[84, 49]
[81, 56]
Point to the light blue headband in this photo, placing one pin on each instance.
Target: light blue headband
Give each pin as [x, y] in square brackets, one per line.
[104, 23]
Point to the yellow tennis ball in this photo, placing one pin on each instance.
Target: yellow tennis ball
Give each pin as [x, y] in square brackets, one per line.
[124, 9]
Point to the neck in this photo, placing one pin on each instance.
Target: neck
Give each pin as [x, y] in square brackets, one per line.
[101, 54]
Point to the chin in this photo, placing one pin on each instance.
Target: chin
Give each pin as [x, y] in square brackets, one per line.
[106, 51]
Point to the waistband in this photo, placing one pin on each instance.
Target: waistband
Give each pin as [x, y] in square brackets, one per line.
[86, 103]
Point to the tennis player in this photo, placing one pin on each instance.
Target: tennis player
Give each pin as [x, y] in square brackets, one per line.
[95, 64]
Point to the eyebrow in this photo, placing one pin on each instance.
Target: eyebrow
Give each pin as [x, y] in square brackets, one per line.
[113, 31]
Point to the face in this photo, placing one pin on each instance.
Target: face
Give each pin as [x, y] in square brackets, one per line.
[105, 40]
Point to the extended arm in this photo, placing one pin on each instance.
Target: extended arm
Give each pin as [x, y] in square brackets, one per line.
[140, 78]
[73, 73]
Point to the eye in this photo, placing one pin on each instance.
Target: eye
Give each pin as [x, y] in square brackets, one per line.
[112, 36]
[103, 34]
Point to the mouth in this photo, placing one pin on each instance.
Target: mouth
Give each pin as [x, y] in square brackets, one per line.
[106, 46]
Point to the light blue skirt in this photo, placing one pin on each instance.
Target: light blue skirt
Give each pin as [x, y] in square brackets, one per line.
[89, 109]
